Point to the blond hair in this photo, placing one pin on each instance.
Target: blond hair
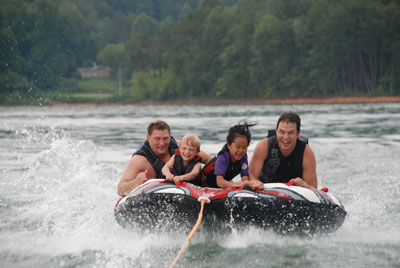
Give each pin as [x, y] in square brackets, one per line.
[192, 140]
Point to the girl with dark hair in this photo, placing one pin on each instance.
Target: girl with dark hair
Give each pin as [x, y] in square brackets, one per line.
[231, 160]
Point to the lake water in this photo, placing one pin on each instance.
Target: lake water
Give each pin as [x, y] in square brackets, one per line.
[60, 166]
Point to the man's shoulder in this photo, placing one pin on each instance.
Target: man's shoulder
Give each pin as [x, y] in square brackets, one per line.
[308, 155]
[140, 160]
[262, 144]
[308, 149]
[141, 163]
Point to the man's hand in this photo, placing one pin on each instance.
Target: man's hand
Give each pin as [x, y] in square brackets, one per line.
[142, 176]
[256, 184]
[299, 182]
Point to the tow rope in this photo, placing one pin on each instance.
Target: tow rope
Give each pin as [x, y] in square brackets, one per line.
[202, 200]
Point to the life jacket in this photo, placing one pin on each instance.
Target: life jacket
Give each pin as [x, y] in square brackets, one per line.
[178, 167]
[156, 162]
[278, 168]
[209, 167]
[210, 179]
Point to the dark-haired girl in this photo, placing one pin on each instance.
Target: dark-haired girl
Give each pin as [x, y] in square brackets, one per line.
[231, 160]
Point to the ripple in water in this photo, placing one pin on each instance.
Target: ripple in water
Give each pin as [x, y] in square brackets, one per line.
[60, 167]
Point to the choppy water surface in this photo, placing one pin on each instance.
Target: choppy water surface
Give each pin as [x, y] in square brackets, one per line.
[59, 169]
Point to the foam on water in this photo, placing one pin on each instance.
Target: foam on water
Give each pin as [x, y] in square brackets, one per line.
[58, 189]
[64, 206]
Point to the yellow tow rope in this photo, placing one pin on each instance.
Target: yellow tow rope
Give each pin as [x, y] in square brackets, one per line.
[191, 234]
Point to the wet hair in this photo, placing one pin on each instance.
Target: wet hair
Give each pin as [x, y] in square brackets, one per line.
[192, 140]
[290, 117]
[159, 125]
[240, 130]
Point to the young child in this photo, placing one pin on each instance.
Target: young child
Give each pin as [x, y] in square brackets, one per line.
[231, 160]
[185, 164]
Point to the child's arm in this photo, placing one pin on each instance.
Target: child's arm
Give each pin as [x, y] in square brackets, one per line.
[244, 172]
[191, 175]
[167, 167]
[246, 178]
[221, 182]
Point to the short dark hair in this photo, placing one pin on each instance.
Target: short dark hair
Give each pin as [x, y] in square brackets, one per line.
[290, 117]
[159, 125]
[241, 129]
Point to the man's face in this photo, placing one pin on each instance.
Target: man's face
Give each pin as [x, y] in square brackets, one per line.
[159, 141]
[287, 136]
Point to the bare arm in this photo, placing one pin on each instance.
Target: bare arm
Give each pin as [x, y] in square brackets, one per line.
[205, 158]
[191, 175]
[135, 173]
[257, 160]
[221, 182]
[309, 176]
[256, 164]
[245, 178]
[166, 170]
[310, 167]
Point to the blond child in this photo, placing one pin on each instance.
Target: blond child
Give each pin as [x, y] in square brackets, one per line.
[185, 164]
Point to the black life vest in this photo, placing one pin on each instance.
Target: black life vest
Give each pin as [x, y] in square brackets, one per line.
[231, 172]
[156, 162]
[278, 168]
[178, 166]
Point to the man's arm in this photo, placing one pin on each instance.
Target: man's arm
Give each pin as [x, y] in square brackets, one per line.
[166, 170]
[256, 164]
[135, 173]
[257, 160]
[310, 167]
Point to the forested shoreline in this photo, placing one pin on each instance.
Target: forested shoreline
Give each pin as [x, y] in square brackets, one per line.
[200, 49]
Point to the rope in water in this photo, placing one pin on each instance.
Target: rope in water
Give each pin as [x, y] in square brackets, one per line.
[191, 234]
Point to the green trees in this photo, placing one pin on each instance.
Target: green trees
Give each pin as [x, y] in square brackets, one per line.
[349, 46]
[42, 42]
[113, 55]
[271, 48]
[205, 48]
[194, 49]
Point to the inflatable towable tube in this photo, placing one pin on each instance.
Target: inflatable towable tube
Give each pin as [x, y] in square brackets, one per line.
[157, 204]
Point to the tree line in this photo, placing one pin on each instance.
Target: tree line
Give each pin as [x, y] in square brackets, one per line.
[169, 49]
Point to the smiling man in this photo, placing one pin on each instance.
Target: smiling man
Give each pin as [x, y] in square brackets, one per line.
[284, 156]
[148, 161]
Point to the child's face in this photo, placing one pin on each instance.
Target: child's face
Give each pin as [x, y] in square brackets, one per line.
[238, 148]
[188, 152]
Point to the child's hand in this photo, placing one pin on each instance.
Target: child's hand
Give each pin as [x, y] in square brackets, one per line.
[256, 184]
[245, 183]
[178, 178]
[169, 177]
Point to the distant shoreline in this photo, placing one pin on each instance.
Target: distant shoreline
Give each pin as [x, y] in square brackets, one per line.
[214, 102]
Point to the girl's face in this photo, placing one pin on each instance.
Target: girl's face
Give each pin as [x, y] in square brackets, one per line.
[238, 148]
